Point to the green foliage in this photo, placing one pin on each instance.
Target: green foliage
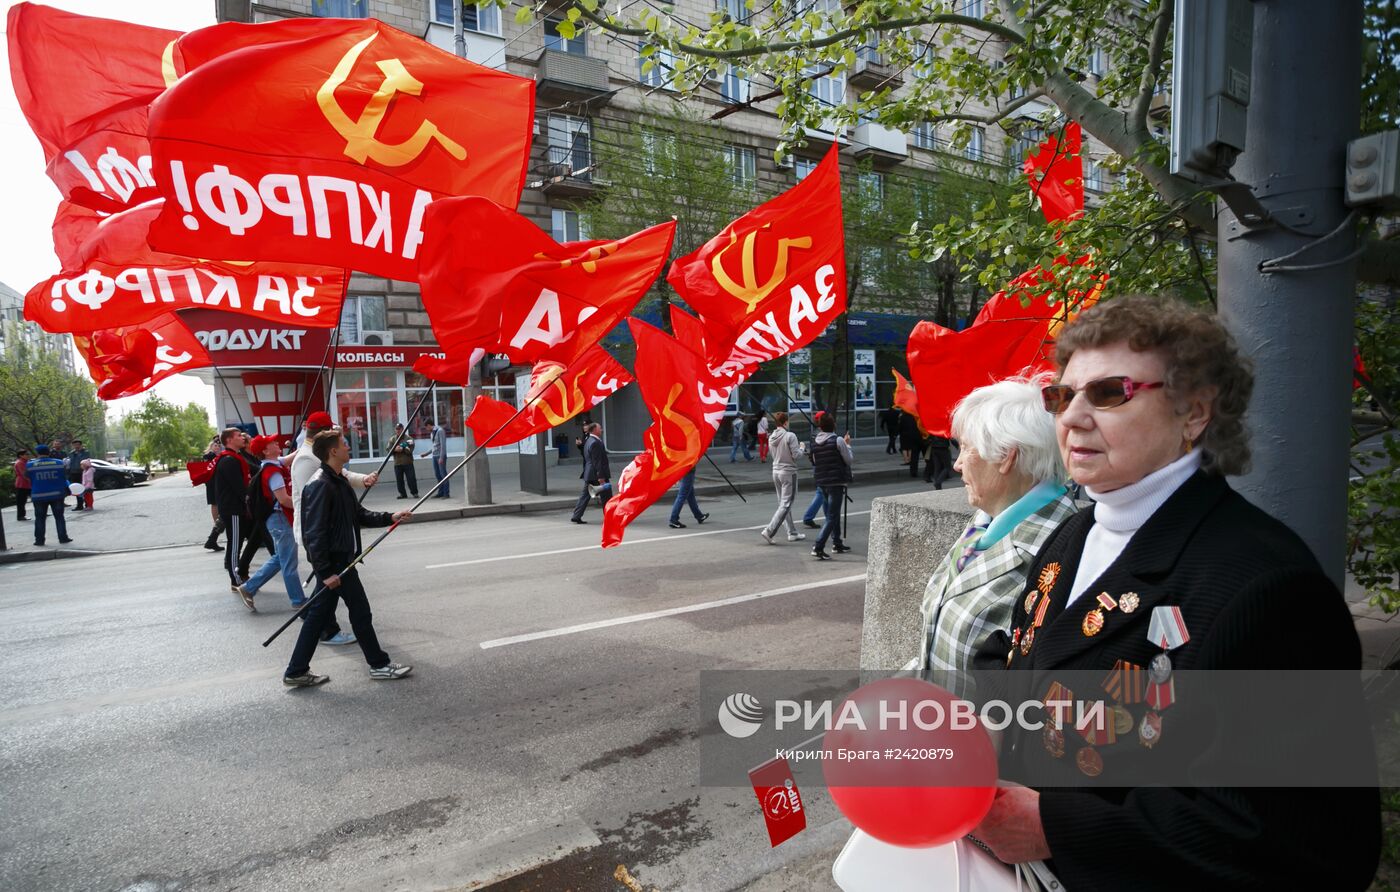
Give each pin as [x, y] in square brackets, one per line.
[170, 436]
[1373, 556]
[40, 401]
[1380, 81]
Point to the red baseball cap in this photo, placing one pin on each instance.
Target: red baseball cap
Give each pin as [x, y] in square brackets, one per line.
[261, 443]
[319, 419]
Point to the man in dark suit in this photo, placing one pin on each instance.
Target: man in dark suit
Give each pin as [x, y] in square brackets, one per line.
[595, 470]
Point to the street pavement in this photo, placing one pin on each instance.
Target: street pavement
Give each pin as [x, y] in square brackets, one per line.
[150, 745]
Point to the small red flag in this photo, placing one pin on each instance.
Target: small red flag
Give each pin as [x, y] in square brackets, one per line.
[127, 361]
[562, 391]
[777, 794]
[449, 368]
[1056, 175]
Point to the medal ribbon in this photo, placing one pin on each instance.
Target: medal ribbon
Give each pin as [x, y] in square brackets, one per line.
[1167, 629]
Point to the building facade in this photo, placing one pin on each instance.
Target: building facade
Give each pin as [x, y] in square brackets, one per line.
[17, 334]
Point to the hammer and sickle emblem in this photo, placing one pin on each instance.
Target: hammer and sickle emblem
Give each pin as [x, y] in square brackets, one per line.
[750, 292]
[589, 264]
[688, 430]
[360, 140]
[570, 404]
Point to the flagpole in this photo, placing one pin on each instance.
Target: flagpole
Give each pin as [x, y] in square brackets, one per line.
[321, 589]
[726, 479]
[310, 391]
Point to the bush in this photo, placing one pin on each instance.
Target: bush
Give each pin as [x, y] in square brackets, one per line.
[7, 485]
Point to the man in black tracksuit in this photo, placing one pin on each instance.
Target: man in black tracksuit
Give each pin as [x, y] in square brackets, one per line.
[331, 517]
[231, 475]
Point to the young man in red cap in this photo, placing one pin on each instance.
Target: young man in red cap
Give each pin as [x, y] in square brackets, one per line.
[274, 482]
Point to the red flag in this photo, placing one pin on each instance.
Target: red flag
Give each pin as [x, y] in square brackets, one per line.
[127, 361]
[111, 278]
[905, 397]
[1056, 175]
[562, 391]
[84, 84]
[492, 278]
[320, 140]
[777, 794]
[772, 280]
[449, 368]
[681, 394]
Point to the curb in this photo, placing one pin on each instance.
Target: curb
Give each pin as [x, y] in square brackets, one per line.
[468, 511]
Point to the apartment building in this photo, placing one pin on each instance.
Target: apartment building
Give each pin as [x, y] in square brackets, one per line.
[16, 333]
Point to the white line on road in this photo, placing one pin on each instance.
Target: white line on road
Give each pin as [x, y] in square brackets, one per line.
[658, 614]
[537, 554]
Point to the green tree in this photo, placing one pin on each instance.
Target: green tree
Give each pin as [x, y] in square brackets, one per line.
[170, 436]
[40, 401]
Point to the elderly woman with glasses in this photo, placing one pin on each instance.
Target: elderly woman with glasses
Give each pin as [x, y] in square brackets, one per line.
[1170, 570]
[1011, 469]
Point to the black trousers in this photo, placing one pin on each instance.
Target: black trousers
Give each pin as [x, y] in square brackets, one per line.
[405, 474]
[940, 465]
[322, 612]
[242, 534]
[892, 447]
[215, 533]
[78, 498]
[21, 496]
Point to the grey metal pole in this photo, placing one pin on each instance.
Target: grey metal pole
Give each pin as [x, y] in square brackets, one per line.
[459, 38]
[1297, 326]
[478, 474]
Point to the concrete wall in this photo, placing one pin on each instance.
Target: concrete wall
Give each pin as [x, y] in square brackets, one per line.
[909, 534]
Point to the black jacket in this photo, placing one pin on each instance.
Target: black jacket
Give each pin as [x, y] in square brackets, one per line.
[595, 461]
[831, 467]
[209, 484]
[331, 520]
[1252, 597]
[231, 475]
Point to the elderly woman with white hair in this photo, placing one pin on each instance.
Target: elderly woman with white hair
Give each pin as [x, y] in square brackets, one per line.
[1011, 467]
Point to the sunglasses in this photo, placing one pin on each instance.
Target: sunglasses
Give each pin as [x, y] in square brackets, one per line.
[1102, 393]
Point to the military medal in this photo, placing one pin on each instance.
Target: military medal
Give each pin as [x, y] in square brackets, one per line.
[1106, 601]
[1030, 600]
[1150, 731]
[1089, 761]
[1026, 642]
[1122, 720]
[1099, 728]
[1093, 623]
[1048, 574]
[1160, 669]
[1167, 629]
[1054, 741]
[1129, 602]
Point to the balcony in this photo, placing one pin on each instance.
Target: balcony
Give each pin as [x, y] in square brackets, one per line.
[882, 145]
[871, 73]
[571, 76]
[568, 173]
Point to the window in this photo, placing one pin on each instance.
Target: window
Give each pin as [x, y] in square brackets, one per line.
[658, 152]
[925, 136]
[1026, 142]
[565, 226]
[976, 139]
[1094, 178]
[734, 88]
[1098, 64]
[571, 145]
[972, 8]
[870, 54]
[872, 189]
[662, 70]
[340, 9]
[554, 41]
[803, 166]
[736, 10]
[829, 89]
[743, 166]
[481, 19]
[361, 314]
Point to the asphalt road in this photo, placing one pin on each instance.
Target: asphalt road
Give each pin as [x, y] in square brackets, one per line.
[149, 745]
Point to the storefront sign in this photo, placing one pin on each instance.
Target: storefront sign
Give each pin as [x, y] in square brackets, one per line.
[243, 342]
[865, 378]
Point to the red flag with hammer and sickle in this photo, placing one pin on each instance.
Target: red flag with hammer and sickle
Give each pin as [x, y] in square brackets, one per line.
[319, 140]
[686, 406]
[493, 279]
[129, 360]
[85, 85]
[772, 280]
[558, 392]
[111, 278]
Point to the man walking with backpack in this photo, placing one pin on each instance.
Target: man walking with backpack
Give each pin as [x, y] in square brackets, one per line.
[270, 505]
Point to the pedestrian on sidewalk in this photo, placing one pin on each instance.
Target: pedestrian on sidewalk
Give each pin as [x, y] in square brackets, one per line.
[889, 423]
[910, 440]
[304, 465]
[270, 503]
[89, 481]
[686, 496]
[831, 457]
[75, 469]
[231, 476]
[331, 520]
[21, 484]
[763, 428]
[785, 448]
[404, 475]
[439, 454]
[211, 454]
[48, 482]
[736, 428]
[939, 466]
[597, 475]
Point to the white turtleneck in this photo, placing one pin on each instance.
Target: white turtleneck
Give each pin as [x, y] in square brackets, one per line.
[1120, 513]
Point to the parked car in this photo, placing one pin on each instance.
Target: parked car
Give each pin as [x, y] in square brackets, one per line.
[109, 476]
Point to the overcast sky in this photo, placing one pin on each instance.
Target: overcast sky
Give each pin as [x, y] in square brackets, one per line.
[26, 249]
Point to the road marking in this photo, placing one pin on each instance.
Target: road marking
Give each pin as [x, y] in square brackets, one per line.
[658, 614]
[538, 554]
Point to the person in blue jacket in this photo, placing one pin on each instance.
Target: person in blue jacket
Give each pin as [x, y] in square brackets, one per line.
[50, 486]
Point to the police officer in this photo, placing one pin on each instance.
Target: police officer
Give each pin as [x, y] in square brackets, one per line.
[49, 485]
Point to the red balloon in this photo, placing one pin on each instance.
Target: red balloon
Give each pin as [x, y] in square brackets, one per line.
[903, 765]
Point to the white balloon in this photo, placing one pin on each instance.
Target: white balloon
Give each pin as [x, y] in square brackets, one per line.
[75, 488]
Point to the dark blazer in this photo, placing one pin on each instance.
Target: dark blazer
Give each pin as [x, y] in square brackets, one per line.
[909, 436]
[595, 461]
[331, 521]
[1252, 597]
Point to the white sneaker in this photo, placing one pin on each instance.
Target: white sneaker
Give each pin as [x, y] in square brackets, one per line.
[391, 671]
[796, 537]
[766, 536]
